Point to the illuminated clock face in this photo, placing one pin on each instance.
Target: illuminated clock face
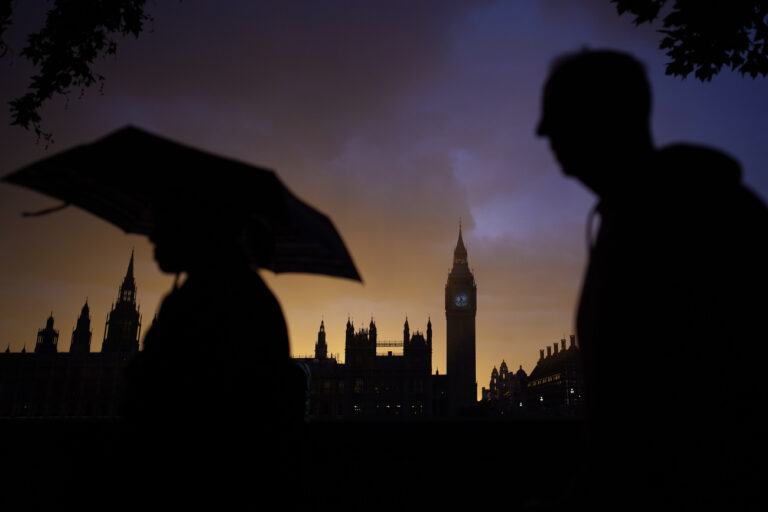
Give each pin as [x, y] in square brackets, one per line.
[461, 300]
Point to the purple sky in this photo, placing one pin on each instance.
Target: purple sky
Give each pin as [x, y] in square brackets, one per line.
[396, 118]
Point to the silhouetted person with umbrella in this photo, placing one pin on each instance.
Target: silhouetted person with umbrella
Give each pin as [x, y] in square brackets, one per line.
[670, 319]
[213, 403]
[214, 386]
[223, 318]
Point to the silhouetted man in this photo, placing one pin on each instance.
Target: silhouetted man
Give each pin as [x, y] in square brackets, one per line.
[214, 397]
[670, 316]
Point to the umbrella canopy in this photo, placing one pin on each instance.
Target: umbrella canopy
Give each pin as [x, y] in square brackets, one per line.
[125, 177]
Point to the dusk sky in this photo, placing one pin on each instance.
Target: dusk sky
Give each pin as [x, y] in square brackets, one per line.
[396, 119]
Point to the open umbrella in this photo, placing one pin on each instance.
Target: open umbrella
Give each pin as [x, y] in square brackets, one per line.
[124, 176]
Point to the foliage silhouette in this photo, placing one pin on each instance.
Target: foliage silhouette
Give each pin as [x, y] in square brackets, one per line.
[5, 20]
[76, 32]
[702, 36]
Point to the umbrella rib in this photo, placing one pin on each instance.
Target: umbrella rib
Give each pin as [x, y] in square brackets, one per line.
[45, 211]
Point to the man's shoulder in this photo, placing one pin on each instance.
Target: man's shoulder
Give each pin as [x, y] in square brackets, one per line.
[705, 177]
[697, 167]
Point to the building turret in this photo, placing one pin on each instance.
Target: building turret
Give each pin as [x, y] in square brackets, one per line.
[372, 332]
[418, 354]
[123, 325]
[47, 339]
[429, 333]
[406, 332]
[81, 335]
[350, 331]
[321, 349]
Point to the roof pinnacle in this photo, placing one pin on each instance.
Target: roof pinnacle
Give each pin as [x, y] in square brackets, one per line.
[129, 272]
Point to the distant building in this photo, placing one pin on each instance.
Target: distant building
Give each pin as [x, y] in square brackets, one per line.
[378, 379]
[392, 379]
[387, 385]
[61, 385]
[554, 387]
[79, 383]
[326, 378]
[507, 391]
[371, 385]
[556, 384]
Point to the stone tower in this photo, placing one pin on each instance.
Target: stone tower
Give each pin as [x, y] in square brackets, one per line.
[321, 348]
[81, 335]
[47, 339]
[123, 326]
[460, 312]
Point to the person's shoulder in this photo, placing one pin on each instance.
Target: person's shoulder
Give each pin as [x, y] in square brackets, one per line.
[703, 174]
[698, 165]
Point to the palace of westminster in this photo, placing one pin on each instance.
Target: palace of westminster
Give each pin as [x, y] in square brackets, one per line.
[48, 383]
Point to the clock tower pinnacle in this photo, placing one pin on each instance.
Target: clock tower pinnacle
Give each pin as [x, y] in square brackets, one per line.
[460, 312]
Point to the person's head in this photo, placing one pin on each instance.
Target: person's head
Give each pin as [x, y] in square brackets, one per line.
[596, 113]
[191, 236]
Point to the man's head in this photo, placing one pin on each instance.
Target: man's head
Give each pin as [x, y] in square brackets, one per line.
[192, 234]
[596, 114]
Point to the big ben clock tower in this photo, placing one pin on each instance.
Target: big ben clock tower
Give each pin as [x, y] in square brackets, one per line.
[460, 311]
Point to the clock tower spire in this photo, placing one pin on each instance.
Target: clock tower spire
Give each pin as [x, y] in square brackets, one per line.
[460, 312]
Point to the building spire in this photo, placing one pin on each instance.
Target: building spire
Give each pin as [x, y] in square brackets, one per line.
[129, 272]
[81, 335]
[406, 332]
[321, 348]
[122, 329]
[460, 253]
[127, 291]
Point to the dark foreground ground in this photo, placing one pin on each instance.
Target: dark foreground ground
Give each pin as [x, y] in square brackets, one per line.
[85, 465]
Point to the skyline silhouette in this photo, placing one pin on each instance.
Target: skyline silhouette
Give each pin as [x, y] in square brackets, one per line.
[125, 335]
